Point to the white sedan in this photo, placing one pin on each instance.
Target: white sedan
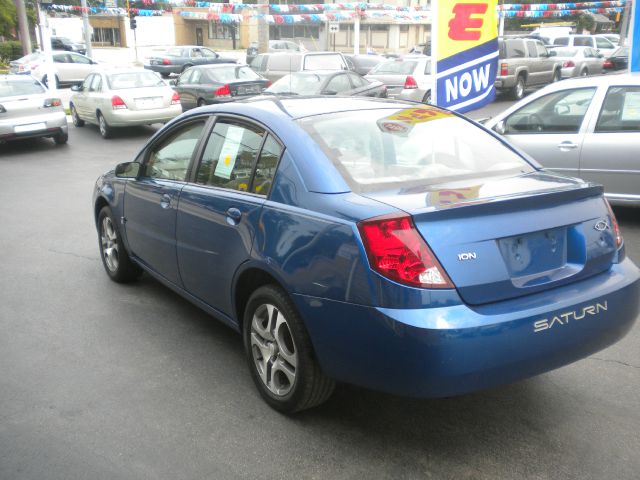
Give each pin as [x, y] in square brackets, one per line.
[70, 68]
[123, 98]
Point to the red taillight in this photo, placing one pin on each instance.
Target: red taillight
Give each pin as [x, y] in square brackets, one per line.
[607, 63]
[269, 83]
[410, 82]
[175, 99]
[397, 251]
[117, 103]
[166, 61]
[504, 69]
[52, 102]
[568, 64]
[614, 225]
[223, 91]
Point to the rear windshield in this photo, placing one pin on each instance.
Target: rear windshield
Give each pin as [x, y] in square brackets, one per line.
[378, 149]
[511, 48]
[327, 61]
[11, 88]
[232, 74]
[298, 84]
[120, 81]
[395, 67]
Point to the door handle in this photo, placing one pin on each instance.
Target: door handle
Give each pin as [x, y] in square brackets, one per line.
[233, 216]
[165, 201]
[567, 146]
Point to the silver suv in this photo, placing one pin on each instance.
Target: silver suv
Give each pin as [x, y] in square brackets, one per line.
[524, 62]
[276, 65]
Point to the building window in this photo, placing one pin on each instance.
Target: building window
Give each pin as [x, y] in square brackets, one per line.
[278, 32]
[219, 31]
[106, 36]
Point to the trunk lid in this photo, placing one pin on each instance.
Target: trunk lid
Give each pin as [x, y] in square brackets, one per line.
[501, 238]
[248, 88]
[22, 106]
[148, 98]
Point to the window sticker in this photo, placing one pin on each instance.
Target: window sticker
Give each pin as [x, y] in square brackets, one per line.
[229, 152]
[631, 107]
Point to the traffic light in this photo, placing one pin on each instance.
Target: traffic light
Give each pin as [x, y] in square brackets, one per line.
[132, 23]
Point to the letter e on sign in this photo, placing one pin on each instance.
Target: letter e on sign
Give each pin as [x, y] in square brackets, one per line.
[462, 26]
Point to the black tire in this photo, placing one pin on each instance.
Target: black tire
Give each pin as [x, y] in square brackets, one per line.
[310, 386]
[77, 121]
[61, 138]
[201, 102]
[557, 76]
[45, 80]
[517, 92]
[123, 270]
[188, 65]
[105, 130]
[584, 73]
[427, 97]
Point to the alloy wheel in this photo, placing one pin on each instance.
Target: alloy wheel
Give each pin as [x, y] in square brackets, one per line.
[109, 243]
[274, 353]
[102, 124]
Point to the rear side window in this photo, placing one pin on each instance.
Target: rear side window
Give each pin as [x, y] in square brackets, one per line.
[620, 111]
[266, 168]
[231, 152]
[582, 42]
[284, 63]
[558, 112]
[514, 49]
[378, 149]
[531, 49]
[564, 41]
[603, 43]
[327, 61]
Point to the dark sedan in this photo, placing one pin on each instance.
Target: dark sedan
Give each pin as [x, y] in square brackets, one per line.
[619, 60]
[328, 83]
[178, 59]
[210, 84]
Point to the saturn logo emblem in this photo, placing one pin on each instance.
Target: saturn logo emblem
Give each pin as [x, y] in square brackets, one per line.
[601, 226]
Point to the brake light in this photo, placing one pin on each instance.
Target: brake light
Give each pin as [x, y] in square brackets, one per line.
[166, 61]
[410, 82]
[117, 103]
[568, 63]
[223, 91]
[607, 63]
[175, 99]
[52, 102]
[504, 69]
[396, 251]
[614, 225]
[269, 83]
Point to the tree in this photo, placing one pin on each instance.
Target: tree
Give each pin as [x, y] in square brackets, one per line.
[586, 22]
[8, 20]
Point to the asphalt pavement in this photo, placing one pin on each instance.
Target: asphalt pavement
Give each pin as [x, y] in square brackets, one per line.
[107, 381]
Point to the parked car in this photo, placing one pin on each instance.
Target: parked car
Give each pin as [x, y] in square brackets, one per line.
[63, 43]
[70, 68]
[116, 98]
[578, 61]
[369, 242]
[618, 60]
[597, 42]
[327, 83]
[27, 110]
[178, 59]
[274, 66]
[362, 64]
[209, 84]
[274, 46]
[587, 128]
[407, 77]
[523, 63]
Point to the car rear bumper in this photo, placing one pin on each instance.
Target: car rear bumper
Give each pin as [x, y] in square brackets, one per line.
[128, 118]
[454, 350]
[507, 81]
[569, 72]
[42, 125]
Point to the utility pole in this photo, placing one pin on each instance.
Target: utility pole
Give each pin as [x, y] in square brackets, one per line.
[86, 27]
[624, 26]
[23, 25]
[45, 41]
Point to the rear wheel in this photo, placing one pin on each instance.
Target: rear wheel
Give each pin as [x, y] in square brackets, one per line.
[280, 355]
[105, 130]
[584, 72]
[61, 138]
[557, 76]
[45, 80]
[201, 102]
[518, 89]
[186, 66]
[427, 97]
[77, 121]
[115, 259]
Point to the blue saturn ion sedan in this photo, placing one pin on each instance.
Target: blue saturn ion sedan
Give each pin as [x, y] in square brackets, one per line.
[397, 247]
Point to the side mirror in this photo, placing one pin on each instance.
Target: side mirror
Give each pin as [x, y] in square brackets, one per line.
[500, 128]
[76, 88]
[128, 170]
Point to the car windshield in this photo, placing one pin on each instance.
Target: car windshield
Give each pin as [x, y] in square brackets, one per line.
[298, 84]
[232, 74]
[12, 88]
[398, 67]
[565, 52]
[378, 149]
[121, 81]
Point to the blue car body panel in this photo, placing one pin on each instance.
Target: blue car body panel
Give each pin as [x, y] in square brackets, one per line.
[369, 330]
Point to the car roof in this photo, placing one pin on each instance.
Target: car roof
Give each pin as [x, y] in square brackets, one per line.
[22, 78]
[596, 81]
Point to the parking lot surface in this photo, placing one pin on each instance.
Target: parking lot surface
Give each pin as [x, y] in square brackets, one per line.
[100, 380]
